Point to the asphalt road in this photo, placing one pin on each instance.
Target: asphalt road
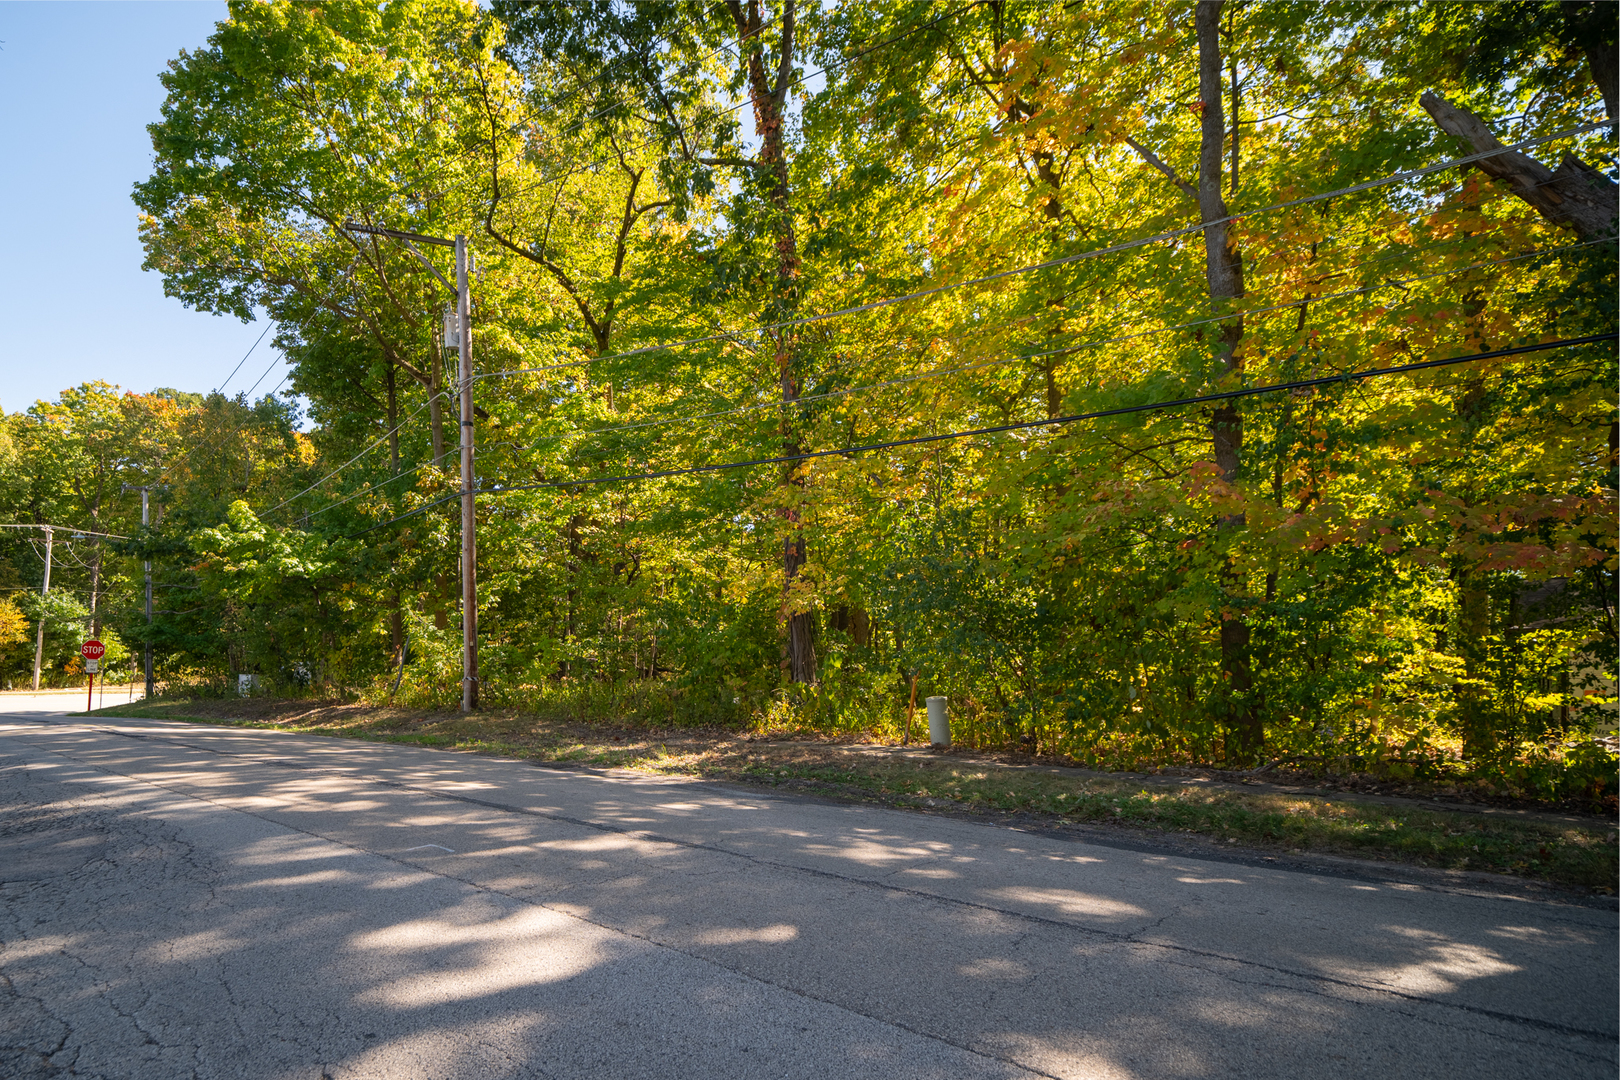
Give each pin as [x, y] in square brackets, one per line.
[188, 901]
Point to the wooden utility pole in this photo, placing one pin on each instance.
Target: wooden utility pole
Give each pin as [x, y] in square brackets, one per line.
[44, 591]
[45, 585]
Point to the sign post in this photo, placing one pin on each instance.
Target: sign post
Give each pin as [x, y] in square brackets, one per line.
[92, 651]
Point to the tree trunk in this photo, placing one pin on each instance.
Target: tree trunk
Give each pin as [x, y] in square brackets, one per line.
[1601, 63]
[1054, 392]
[770, 106]
[1576, 197]
[573, 566]
[396, 627]
[1473, 698]
[1223, 269]
[1591, 25]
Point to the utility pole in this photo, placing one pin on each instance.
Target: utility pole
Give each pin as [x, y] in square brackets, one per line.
[45, 587]
[469, 521]
[44, 591]
[146, 565]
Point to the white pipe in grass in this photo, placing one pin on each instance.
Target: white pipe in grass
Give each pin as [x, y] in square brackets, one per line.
[939, 722]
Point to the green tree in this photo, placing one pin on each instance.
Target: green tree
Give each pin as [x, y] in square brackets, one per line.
[1370, 574]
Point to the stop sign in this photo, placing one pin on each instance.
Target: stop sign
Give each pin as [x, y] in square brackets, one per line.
[92, 649]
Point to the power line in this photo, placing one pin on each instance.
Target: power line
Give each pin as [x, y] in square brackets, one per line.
[55, 588]
[857, 54]
[1067, 349]
[1023, 425]
[1228, 395]
[1112, 249]
[906, 379]
[373, 489]
[261, 378]
[242, 361]
[1399, 283]
[67, 529]
[380, 440]
[214, 441]
[1278, 255]
[1001, 275]
[446, 393]
[1325, 270]
[221, 390]
[368, 490]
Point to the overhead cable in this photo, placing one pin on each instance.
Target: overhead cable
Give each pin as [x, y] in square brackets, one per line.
[214, 441]
[1112, 249]
[1058, 421]
[1173, 234]
[66, 529]
[1400, 283]
[242, 361]
[380, 440]
[261, 378]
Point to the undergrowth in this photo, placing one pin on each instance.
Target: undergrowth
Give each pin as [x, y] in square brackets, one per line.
[1578, 855]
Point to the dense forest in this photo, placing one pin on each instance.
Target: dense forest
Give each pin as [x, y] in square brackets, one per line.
[751, 280]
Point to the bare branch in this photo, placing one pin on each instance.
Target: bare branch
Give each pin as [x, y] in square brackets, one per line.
[734, 162]
[1170, 173]
[1576, 197]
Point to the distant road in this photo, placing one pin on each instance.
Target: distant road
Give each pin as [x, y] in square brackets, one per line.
[188, 901]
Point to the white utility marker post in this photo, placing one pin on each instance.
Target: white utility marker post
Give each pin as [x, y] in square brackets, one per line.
[44, 591]
[469, 521]
[939, 721]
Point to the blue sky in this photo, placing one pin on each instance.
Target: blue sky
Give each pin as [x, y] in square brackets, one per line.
[79, 84]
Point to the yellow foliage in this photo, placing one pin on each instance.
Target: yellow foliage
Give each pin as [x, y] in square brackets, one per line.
[13, 624]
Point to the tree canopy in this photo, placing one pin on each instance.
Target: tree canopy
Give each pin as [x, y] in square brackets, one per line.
[710, 234]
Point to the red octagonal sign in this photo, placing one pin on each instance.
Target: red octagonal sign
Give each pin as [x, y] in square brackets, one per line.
[92, 649]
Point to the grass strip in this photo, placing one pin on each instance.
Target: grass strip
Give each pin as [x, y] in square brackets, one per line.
[1580, 856]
